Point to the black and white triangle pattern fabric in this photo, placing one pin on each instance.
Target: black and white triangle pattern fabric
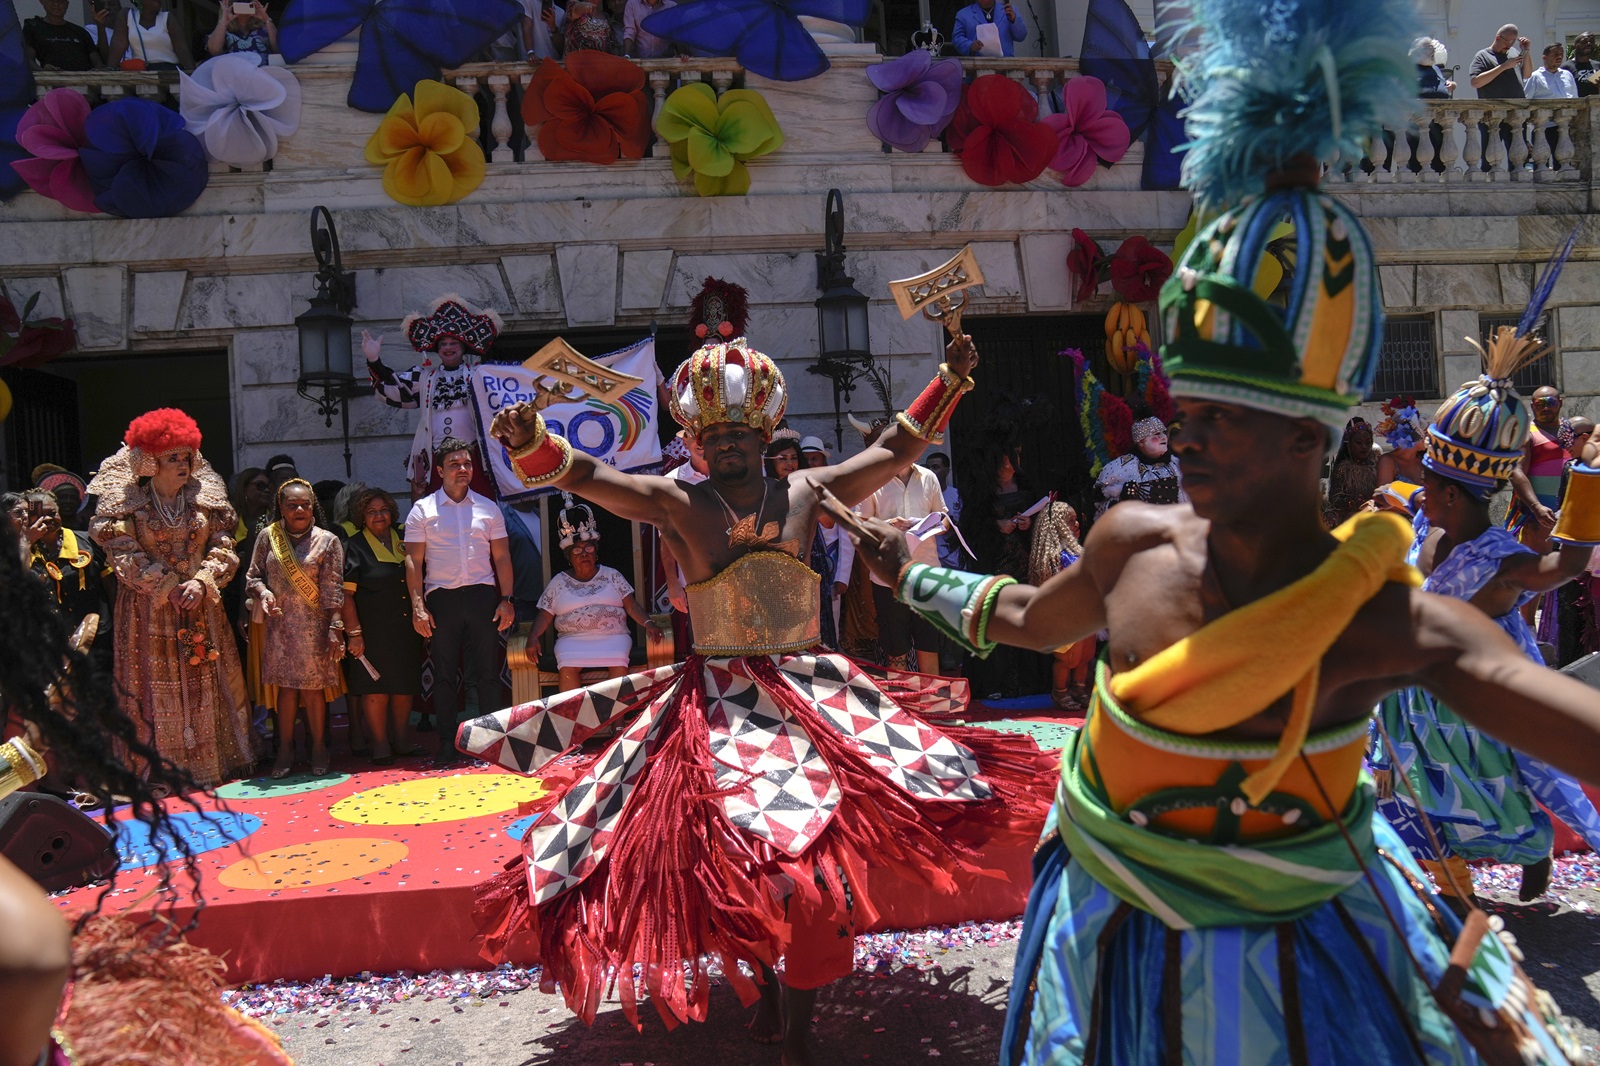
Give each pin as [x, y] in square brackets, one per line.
[911, 753]
[565, 846]
[526, 737]
[778, 787]
[926, 694]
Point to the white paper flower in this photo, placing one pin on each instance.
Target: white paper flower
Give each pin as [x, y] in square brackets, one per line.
[239, 109]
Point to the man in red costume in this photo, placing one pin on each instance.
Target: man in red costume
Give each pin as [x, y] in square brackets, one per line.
[759, 779]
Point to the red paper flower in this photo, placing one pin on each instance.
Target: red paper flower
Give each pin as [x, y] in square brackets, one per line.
[1086, 131]
[1084, 264]
[593, 111]
[997, 134]
[39, 343]
[1139, 269]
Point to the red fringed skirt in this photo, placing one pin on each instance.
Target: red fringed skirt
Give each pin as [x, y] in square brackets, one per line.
[734, 785]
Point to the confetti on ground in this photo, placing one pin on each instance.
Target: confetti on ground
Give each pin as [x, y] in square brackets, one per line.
[1571, 872]
[876, 953]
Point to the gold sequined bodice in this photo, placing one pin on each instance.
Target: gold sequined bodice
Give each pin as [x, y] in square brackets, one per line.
[763, 603]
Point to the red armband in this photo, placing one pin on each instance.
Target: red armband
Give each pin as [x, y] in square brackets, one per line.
[930, 413]
[543, 459]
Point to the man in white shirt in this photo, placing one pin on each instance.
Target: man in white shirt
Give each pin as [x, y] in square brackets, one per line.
[910, 496]
[1551, 82]
[458, 573]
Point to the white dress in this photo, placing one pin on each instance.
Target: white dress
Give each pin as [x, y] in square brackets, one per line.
[591, 623]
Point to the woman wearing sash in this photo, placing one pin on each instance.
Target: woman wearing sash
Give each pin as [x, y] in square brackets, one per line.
[297, 576]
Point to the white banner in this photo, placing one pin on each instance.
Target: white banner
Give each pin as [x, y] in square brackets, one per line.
[621, 434]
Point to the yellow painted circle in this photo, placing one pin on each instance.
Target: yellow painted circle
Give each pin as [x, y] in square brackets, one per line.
[320, 863]
[437, 799]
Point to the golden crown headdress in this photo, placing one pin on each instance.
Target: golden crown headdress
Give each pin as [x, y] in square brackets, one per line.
[728, 381]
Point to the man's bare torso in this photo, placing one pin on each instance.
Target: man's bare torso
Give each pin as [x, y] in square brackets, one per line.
[697, 526]
[1158, 588]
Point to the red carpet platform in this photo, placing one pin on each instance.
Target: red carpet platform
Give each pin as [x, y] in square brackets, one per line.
[373, 869]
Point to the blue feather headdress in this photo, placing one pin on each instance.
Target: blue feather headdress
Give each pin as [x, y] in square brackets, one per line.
[1545, 285]
[1277, 79]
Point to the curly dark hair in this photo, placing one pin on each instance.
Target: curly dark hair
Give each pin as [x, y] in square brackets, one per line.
[89, 738]
[363, 500]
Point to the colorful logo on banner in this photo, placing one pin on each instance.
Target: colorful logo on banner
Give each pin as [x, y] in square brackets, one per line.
[621, 434]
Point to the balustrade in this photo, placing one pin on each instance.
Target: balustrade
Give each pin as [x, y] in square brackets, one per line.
[1450, 141]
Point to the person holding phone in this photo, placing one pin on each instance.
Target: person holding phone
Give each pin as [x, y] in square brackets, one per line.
[53, 43]
[241, 28]
[1499, 71]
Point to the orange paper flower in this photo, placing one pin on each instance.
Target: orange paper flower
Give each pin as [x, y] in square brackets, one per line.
[593, 111]
[427, 150]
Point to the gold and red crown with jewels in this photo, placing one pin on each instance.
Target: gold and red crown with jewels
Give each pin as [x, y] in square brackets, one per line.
[728, 381]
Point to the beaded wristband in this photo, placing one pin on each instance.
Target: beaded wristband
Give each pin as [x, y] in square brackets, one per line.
[955, 602]
[929, 414]
[545, 458]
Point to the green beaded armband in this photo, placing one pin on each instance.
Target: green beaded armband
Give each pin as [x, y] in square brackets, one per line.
[954, 602]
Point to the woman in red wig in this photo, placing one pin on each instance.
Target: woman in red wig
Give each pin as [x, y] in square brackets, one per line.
[166, 524]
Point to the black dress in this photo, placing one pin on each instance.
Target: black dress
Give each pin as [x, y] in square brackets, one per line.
[393, 647]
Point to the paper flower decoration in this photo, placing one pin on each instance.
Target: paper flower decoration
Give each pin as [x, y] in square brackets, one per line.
[711, 137]
[52, 132]
[426, 150]
[766, 35]
[402, 41]
[997, 134]
[239, 109]
[1085, 131]
[1083, 263]
[140, 160]
[1139, 269]
[594, 111]
[921, 95]
[16, 95]
[26, 341]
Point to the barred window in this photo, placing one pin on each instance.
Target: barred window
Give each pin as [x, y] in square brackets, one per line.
[1536, 374]
[1408, 364]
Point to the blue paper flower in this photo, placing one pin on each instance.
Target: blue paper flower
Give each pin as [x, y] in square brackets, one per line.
[402, 41]
[141, 162]
[766, 36]
[16, 96]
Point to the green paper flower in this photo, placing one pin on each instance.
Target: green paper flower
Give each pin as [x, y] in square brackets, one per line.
[711, 137]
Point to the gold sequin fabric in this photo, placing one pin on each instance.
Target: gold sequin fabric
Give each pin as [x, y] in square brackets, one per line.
[764, 603]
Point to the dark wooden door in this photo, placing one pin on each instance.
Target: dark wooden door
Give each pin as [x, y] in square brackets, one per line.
[43, 427]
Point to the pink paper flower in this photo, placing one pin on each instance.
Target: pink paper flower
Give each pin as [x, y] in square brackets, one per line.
[52, 130]
[1086, 131]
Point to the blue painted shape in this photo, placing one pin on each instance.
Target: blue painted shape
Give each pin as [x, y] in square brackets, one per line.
[203, 832]
[519, 828]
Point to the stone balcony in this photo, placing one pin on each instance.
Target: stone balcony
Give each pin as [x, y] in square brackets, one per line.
[827, 144]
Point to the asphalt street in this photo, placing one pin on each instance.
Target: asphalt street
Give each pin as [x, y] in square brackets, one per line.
[949, 1014]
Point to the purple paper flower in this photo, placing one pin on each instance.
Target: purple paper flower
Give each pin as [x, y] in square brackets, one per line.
[921, 96]
[1087, 132]
[141, 162]
[52, 130]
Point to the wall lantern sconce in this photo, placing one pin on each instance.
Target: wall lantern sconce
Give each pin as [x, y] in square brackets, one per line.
[327, 371]
[844, 339]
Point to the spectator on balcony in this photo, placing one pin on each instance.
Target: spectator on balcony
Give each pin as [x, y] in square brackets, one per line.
[1003, 16]
[1551, 81]
[152, 39]
[1582, 66]
[532, 38]
[254, 33]
[586, 27]
[53, 43]
[638, 42]
[1432, 84]
[1499, 71]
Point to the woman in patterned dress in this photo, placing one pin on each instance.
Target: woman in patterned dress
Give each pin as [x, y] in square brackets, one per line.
[297, 576]
[165, 522]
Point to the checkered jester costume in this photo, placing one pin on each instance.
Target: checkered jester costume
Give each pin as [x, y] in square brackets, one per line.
[757, 795]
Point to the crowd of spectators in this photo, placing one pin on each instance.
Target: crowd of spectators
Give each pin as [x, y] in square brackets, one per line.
[149, 35]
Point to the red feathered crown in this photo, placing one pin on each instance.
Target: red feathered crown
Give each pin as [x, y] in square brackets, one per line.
[166, 429]
[721, 310]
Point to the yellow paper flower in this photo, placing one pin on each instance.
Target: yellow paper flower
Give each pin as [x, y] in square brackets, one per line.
[712, 136]
[427, 150]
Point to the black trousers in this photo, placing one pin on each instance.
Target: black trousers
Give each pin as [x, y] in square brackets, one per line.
[899, 626]
[465, 642]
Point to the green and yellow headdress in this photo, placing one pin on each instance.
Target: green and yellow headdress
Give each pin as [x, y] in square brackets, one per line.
[1276, 91]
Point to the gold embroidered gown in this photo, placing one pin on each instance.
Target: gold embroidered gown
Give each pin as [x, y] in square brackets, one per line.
[194, 712]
